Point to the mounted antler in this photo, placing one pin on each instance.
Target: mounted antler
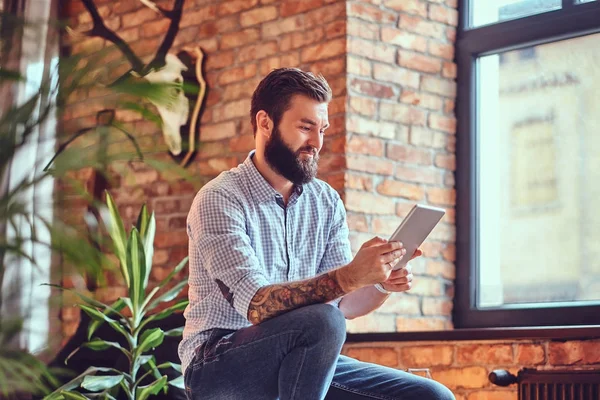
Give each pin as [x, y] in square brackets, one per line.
[164, 68]
[99, 29]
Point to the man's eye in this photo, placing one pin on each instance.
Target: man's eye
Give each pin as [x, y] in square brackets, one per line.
[306, 128]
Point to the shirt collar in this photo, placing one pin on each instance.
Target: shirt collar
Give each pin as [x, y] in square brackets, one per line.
[259, 187]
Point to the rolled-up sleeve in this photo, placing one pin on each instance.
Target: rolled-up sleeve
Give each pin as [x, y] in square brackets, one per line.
[216, 226]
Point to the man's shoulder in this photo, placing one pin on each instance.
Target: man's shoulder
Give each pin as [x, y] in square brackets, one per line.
[226, 185]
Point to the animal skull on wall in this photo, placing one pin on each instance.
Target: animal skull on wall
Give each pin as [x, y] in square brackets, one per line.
[164, 67]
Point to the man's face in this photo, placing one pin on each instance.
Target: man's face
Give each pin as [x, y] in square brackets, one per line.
[294, 145]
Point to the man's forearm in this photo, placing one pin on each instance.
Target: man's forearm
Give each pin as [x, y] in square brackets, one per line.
[362, 302]
[273, 300]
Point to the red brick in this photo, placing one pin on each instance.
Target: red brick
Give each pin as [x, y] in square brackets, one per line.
[442, 123]
[363, 105]
[235, 109]
[398, 189]
[241, 144]
[323, 15]
[383, 226]
[393, 74]
[574, 353]
[439, 86]
[189, 18]
[449, 70]
[449, 253]
[444, 269]
[235, 6]
[530, 354]
[366, 126]
[288, 60]
[423, 137]
[446, 161]
[218, 131]
[427, 286]
[371, 88]
[161, 256]
[442, 50]
[369, 164]
[155, 28]
[425, 100]
[451, 34]
[494, 354]
[468, 377]
[359, 182]
[71, 313]
[422, 26]
[372, 50]
[437, 306]
[238, 39]
[324, 50]
[223, 59]
[357, 222]
[419, 62]
[443, 14]
[215, 166]
[401, 113]
[426, 356]
[448, 106]
[365, 145]
[332, 162]
[258, 16]
[291, 7]
[408, 324]
[211, 28]
[401, 304]
[417, 7]
[370, 13]
[368, 203]
[386, 356]
[237, 74]
[335, 29]
[409, 155]
[363, 29]
[359, 66]
[281, 26]
[493, 395]
[403, 39]
[418, 175]
[441, 196]
[296, 40]
[338, 104]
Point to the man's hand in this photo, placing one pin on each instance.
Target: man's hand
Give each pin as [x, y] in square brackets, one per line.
[401, 280]
[373, 263]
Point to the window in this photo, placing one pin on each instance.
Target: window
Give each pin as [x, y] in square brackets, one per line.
[528, 165]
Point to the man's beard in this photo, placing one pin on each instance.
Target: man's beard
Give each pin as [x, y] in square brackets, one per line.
[288, 163]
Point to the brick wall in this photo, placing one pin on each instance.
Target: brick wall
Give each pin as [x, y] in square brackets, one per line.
[464, 366]
[391, 144]
[400, 144]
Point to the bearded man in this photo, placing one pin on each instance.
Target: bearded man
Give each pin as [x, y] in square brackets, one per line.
[271, 275]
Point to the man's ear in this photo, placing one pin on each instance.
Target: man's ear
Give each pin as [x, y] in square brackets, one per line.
[264, 123]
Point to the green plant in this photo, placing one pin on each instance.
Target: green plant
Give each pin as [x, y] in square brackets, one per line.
[129, 316]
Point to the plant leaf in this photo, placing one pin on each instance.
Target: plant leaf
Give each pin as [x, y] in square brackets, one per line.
[168, 295]
[142, 220]
[98, 316]
[179, 306]
[117, 233]
[178, 383]
[143, 392]
[150, 339]
[100, 382]
[162, 283]
[117, 306]
[136, 264]
[76, 382]
[149, 247]
[175, 366]
[73, 396]
[174, 332]
[87, 299]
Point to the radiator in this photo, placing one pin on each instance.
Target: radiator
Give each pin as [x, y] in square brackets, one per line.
[551, 385]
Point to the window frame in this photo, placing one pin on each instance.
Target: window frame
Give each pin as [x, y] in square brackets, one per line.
[572, 20]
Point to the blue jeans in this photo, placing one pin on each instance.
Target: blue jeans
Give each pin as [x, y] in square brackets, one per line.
[296, 356]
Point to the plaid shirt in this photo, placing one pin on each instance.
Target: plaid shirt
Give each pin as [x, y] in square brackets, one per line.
[241, 234]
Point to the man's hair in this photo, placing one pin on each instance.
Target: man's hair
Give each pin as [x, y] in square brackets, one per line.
[274, 93]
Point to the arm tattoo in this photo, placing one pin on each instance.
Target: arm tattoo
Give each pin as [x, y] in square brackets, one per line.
[273, 300]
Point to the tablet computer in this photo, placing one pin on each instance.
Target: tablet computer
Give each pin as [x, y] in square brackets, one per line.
[414, 229]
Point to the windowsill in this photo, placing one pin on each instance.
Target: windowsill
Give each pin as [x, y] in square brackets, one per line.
[531, 333]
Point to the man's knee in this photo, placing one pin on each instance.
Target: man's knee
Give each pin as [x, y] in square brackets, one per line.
[432, 390]
[324, 323]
